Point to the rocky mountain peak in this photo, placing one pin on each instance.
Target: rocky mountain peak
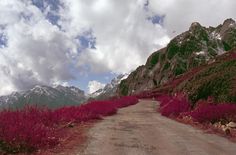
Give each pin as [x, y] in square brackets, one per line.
[226, 28]
[195, 26]
[69, 88]
[40, 89]
[229, 22]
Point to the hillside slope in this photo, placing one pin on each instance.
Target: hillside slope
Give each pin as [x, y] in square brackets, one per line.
[216, 79]
[193, 48]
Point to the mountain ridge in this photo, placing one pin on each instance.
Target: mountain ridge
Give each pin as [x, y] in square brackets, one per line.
[42, 95]
[197, 46]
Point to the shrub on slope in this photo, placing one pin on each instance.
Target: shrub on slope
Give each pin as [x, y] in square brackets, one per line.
[214, 112]
[125, 101]
[206, 110]
[27, 129]
[217, 79]
[173, 106]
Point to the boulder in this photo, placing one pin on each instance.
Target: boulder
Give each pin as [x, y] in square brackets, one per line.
[231, 125]
[70, 125]
[226, 129]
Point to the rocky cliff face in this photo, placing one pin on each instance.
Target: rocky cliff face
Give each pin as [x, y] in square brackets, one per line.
[197, 46]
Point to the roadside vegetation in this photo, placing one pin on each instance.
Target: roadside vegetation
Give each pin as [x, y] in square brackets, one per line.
[33, 128]
[204, 96]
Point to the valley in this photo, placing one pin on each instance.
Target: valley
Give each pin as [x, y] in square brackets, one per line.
[166, 106]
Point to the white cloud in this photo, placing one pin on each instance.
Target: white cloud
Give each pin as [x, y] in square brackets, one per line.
[124, 36]
[181, 13]
[38, 52]
[93, 86]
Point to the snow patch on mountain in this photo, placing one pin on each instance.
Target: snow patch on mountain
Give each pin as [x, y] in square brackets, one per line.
[215, 35]
[45, 95]
[110, 88]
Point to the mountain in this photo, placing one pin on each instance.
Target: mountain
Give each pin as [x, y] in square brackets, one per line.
[110, 89]
[216, 79]
[42, 95]
[193, 48]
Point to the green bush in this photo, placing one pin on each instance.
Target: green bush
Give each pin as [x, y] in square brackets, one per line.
[124, 90]
[154, 60]
[226, 46]
[217, 88]
[166, 66]
[172, 49]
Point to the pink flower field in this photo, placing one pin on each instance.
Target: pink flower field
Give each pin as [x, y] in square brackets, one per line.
[35, 128]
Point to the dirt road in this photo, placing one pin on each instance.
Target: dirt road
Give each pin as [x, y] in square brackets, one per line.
[140, 130]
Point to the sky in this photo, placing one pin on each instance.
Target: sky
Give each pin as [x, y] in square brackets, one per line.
[86, 43]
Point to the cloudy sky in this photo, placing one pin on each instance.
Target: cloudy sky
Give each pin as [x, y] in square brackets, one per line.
[88, 42]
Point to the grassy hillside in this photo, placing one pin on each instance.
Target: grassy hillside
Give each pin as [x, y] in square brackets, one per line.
[217, 79]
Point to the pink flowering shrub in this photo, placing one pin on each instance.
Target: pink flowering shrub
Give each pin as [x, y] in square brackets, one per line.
[164, 99]
[27, 129]
[93, 109]
[233, 55]
[173, 106]
[213, 113]
[205, 110]
[101, 108]
[75, 114]
[125, 101]
[32, 128]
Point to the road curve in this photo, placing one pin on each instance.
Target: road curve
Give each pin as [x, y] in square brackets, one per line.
[140, 130]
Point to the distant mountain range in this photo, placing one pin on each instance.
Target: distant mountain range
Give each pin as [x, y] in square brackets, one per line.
[40, 95]
[110, 89]
[54, 97]
[196, 47]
